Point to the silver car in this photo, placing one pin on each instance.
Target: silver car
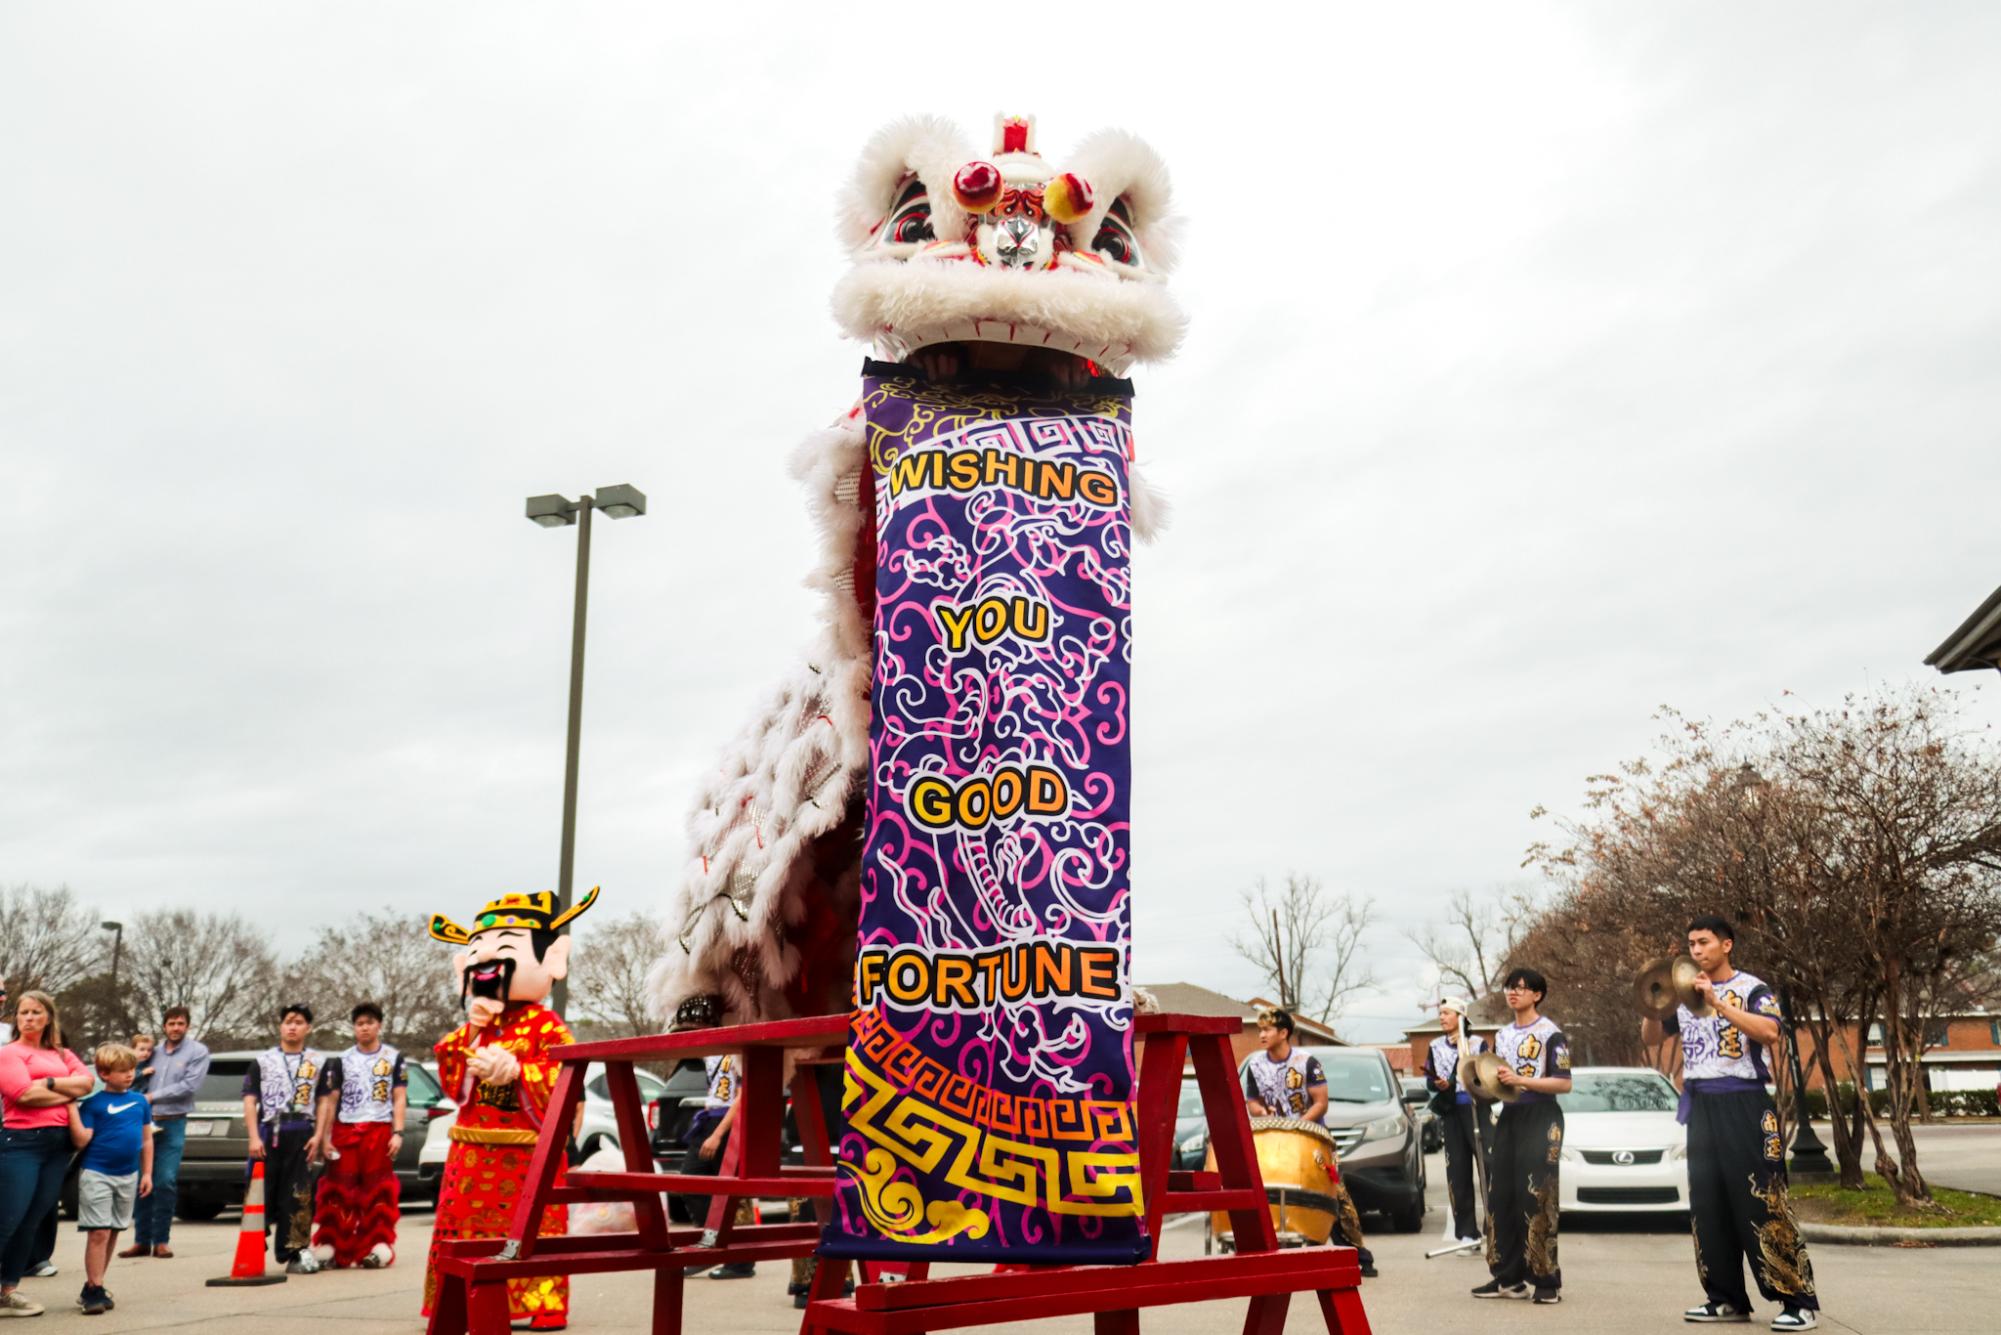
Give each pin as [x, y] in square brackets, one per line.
[1375, 1135]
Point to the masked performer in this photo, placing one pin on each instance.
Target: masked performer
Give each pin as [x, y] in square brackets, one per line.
[1459, 1111]
[949, 768]
[497, 1066]
[1736, 1161]
[1285, 1081]
[1528, 1142]
[364, 1102]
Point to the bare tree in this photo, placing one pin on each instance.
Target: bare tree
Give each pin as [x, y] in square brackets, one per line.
[1859, 849]
[219, 966]
[47, 939]
[609, 970]
[385, 958]
[1472, 945]
[1305, 942]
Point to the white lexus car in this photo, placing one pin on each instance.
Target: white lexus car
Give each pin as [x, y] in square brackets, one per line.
[1622, 1148]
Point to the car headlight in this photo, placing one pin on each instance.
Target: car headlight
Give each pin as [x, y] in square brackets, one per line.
[1196, 1143]
[1383, 1128]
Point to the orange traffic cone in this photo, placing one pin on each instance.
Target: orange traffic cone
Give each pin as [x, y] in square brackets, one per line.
[248, 1268]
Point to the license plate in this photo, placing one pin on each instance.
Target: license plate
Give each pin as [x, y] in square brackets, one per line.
[202, 1128]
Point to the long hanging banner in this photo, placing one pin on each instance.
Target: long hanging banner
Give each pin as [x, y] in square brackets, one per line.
[989, 1073]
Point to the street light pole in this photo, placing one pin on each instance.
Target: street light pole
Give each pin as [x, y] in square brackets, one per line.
[619, 502]
[1810, 1159]
[117, 930]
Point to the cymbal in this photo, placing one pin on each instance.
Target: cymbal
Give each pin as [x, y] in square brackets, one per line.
[1481, 1074]
[1667, 983]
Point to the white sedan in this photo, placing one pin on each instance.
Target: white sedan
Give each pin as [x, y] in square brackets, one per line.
[1622, 1148]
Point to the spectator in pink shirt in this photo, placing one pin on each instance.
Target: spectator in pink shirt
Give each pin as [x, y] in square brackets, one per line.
[39, 1080]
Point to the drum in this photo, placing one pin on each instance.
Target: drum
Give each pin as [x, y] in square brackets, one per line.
[1297, 1162]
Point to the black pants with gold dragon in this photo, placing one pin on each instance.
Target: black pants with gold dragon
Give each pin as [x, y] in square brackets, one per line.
[1522, 1195]
[1738, 1203]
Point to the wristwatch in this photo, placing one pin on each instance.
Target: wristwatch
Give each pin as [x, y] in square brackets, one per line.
[50, 1081]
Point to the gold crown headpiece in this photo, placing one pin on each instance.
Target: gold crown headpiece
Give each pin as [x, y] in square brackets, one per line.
[535, 913]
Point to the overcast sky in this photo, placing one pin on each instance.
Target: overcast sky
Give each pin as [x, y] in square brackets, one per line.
[1546, 364]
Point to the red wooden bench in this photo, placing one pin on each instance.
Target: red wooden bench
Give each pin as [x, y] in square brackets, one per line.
[472, 1293]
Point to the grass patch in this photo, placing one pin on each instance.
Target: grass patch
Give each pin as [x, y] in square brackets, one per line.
[1876, 1206]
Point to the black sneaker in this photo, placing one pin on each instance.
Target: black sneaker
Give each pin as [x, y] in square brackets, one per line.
[1796, 1318]
[91, 1302]
[1546, 1295]
[1493, 1288]
[693, 1270]
[1716, 1313]
[734, 1270]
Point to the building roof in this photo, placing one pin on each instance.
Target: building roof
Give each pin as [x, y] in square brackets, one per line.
[1191, 999]
[1309, 1032]
[1977, 642]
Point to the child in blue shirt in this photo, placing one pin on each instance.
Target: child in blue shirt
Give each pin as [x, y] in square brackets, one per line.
[114, 1129]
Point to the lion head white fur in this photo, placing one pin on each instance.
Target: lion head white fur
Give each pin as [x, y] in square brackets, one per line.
[950, 246]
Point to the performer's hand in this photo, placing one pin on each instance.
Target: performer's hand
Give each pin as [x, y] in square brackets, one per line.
[145, 1184]
[315, 1150]
[1508, 1077]
[483, 1011]
[494, 1066]
[712, 1146]
[395, 1143]
[256, 1145]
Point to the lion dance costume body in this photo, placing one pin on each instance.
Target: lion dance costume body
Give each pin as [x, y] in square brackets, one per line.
[498, 1068]
[927, 823]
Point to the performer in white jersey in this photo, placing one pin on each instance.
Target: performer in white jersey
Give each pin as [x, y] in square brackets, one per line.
[1528, 1143]
[1736, 1161]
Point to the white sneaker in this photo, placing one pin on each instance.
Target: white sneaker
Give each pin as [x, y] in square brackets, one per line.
[13, 1304]
[1796, 1318]
[1714, 1313]
[46, 1270]
[305, 1263]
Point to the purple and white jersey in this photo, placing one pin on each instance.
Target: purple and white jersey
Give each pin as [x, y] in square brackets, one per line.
[1537, 1051]
[722, 1075]
[366, 1083]
[1286, 1087]
[1715, 1049]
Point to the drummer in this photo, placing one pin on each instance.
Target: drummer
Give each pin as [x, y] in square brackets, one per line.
[1284, 1081]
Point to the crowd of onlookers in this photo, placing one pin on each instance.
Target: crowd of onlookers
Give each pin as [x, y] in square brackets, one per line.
[325, 1129]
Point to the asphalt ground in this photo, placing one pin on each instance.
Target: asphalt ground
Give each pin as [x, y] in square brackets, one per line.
[1631, 1275]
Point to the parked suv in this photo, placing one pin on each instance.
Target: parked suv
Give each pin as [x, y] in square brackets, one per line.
[212, 1166]
[1375, 1135]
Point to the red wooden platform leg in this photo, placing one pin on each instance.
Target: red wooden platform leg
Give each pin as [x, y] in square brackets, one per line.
[1230, 1138]
[487, 1308]
[637, 1143]
[448, 1306]
[1267, 1314]
[525, 1226]
[1343, 1312]
[667, 1301]
[1159, 1094]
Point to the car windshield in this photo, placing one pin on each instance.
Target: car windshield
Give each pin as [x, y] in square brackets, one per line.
[1356, 1078]
[223, 1083]
[1618, 1091]
[1191, 1100]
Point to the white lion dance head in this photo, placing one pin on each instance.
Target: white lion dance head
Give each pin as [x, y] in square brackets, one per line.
[962, 262]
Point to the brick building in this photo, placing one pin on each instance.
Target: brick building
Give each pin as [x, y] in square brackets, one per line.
[1965, 1053]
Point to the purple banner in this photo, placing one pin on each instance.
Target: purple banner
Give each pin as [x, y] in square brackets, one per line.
[990, 1071]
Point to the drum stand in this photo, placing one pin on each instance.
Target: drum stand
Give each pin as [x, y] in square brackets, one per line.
[1479, 1162]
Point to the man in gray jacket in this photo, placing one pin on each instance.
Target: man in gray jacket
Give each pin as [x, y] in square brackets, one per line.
[180, 1064]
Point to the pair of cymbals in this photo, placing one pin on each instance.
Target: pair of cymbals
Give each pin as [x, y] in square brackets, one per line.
[1668, 983]
[1481, 1074]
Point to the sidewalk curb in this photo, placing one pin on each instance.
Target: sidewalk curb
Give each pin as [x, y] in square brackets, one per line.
[1900, 1237]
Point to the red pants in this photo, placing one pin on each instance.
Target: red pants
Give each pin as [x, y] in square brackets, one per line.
[357, 1202]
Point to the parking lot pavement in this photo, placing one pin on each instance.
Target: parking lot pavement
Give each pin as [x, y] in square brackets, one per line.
[1966, 1155]
[1627, 1275]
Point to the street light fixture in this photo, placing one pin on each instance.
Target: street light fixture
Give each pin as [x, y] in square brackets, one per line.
[619, 502]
